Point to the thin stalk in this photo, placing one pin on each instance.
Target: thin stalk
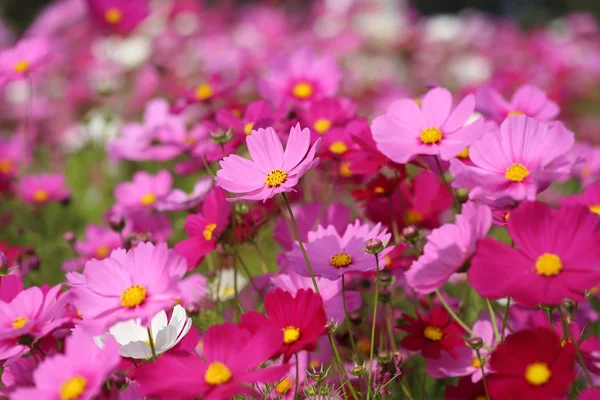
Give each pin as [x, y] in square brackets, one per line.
[248, 274]
[406, 391]
[390, 331]
[569, 336]
[261, 257]
[494, 322]
[505, 319]
[297, 392]
[341, 367]
[370, 380]
[395, 230]
[348, 324]
[448, 187]
[151, 342]
[453, 314]
[487, 393]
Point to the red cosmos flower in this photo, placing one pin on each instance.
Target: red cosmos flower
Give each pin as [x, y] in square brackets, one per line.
[380, 186]
[302, 319]
[432, 335]
[369, 159]
[466, 390]
[532, 365]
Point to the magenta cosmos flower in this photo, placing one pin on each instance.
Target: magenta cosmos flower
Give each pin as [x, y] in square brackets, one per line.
[407, 130]
[79, 373]
[120, 16]
[28, 56]
[448, 248]
[518, 161]
[272, 170]
[556, 256]
[232, 356]
[527, 100]
[331, 255]
[589, 198]
[144, 191]
[127, 285]
[43, 188]
[98, 242]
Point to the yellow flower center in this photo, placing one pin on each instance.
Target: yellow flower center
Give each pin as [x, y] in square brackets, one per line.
[290, 334]
[208, 231]
[284, 386]
[481, 397]
[586, 171]
[40, 195]
[248, 128]
[344, 170]
[515, 112]
[338, 147]
[302, 90]
[21, 66]
[228, 291]
[388, 261]
[379, 190]
[414, 217]
[340, 260]
[148, 199]
[314, 364]
[190, 141]
[516, 172]
[217, 374]
[322, 125]
[548, 264]
[204, 91]
[73, 388]
[464, 154]
[133, 296]
[431, 135]
[434, 334]
[475, 362]
[595, 208]
[102, 251]
[507, 216]
[19, 322]
[113, 16]
[6, 166]
[538, 373]
[275, 178]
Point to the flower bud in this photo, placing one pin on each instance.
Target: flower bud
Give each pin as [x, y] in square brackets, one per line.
[355, 318]
[241, 208]
[475, 343]
[385, 295]
[331, 326]
[385, 278]
[69, 237]
[220, 136]
[374, 246]
[358, 370]
[384, 357]
[116, 223]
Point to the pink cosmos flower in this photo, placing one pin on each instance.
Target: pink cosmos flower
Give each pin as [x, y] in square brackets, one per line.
[448, 248]
[13, 153]
[43, 188]
[589, 198]
[232, 356]
[17, 374]
[144, 191]
[178, 200]
[301, 77]
[31, 313]
[258, 114]
[323, 116]
[434, 128]
[151, 226]
[204, 229]
[272, 170]
[555, 256]
[518, 161]
[331, 255]
[127, 285]
[27, 57]
[120, 16]
[586, 162]
[98, 243]
[79, 373]
[527, 100]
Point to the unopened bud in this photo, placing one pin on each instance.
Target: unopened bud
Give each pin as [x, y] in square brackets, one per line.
[374, 246]
[116, 223]
[385, 295]
[385, 277]
[220, 136]
[384, 357]
[69, 237]
[241, 208]
[331, 326]
[475, 343]
[355, 318]
[410, 232]
[358, 370]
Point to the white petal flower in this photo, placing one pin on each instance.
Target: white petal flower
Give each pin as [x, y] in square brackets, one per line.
[222, 287]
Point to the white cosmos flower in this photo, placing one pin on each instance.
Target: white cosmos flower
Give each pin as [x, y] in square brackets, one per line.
[134, 340]
[222, 286]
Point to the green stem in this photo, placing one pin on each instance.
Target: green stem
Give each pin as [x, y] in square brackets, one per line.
[505, 319]
[406, 391]
[494, 322]
[151, 342]
[448, 187]
[453, 314]
[487, 393]
[395, 230]
[348, 324]
[341, 367]
[390, 331]
[370, 380]
[569, 336]
[261, 257]
[248, 274]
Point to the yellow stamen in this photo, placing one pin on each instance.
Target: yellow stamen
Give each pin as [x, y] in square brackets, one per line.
[431, 135]
[475, 362]
[248, 128]
[228, 291]
[217, 374]
[516, 172]
[290, 334]
[538, 373]
[344, 170]
[379, 190]
[133, 296]
[322, 125]
[414, 217]
[19, 322]
[6, 166]
[464, 154]
[338, 147]
[21, 67]
[204, 91]
[586, 171]
[148, 199]
[388, 261]
[113, 16]
[73, 388]
[515, 112]
[340, 260]
[548, 264]
[284, 386]
[40, 195]
[102, 251]
[275, 178]
[433, 333]
[208, 231]
[302, 90]
[595, 209]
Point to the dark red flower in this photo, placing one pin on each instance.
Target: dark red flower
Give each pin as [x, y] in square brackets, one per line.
[532, 365]
[466, 390]
[380, 186]
[301, 319]
[433, 334]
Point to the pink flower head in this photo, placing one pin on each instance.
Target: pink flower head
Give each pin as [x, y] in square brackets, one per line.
[120, 16]
[43, 188]
[16, 374]
[13, 153]
[323, 116]
[556, 256]
[586, 162]
[331, 255]
[448, 248]
[178, 200]
[272, 170]
[204, 229]
[27, 57]
[79, 373]
[518, 161]
[144, 191]
[98, 243]
[232, 356]
[434, 128]
[301, 77]
[127, 285]
[258, 114]
[31, 313]
[368, 160]
[527, 100]
[589, 198]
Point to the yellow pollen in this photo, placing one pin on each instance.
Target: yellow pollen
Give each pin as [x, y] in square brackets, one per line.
[507, 216]
[563, 342]
[414, 217]
[515, 112]
[322, 125]
[190, 141]
[237, 112]
[40, 195]
[434, 334]
[344, 170]
[19, 322]
[481, 397]
[464, 154]
[204, 91]
[548, 264]
[516, 172]
[73, 388]
[538, 373]
[379, 190]
[208, 231]
[228, 291]
[315, 364]
[217, 374]
[113, 16]
[133, 296]
[148, 199]
[79, 314]
[418, 101]
[248, 128]
[595, 209]
[102, 251]
[431, 135]
[6, 166]
[284, 386]
[338, 147]
[290, 334]
[275, 178]
[586, 171]
[21, 67]
[340, 260]
[302, 90]
[388, 261]
[475, 362]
